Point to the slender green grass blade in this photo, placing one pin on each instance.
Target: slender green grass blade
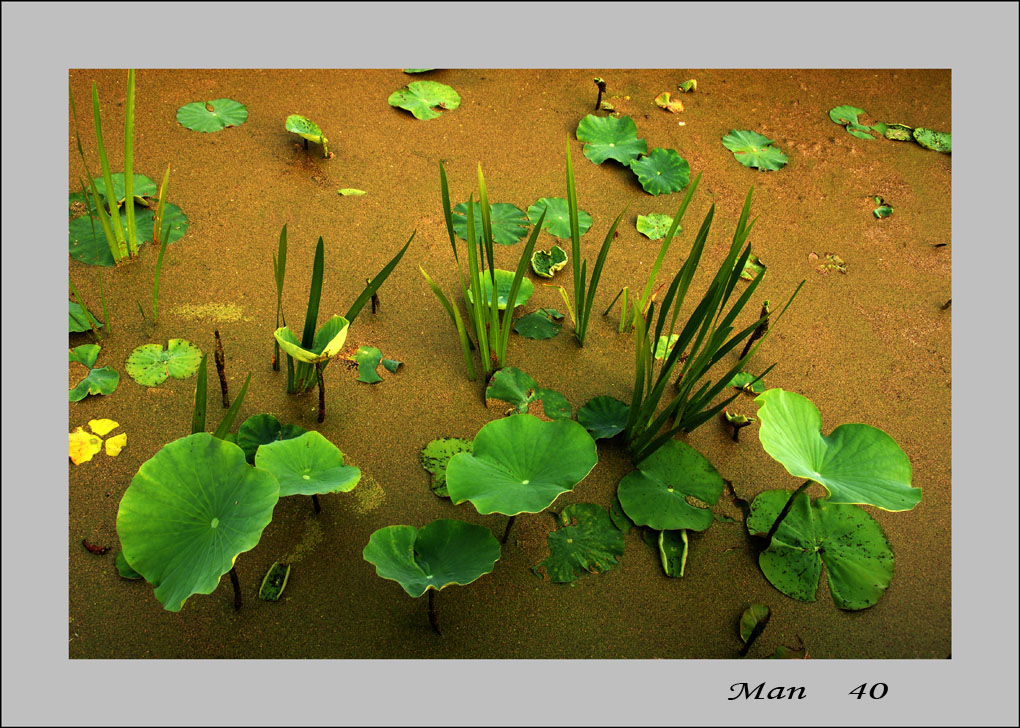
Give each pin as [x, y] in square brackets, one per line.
[231, 415]
[198, 411]
[454, 314]
[596, 274]
[111, 198]
[522, 266]
[104, 219]
[129, 162]
[102, 299]
[575, 240]
[163, 239]
[314, 297]
[477, 305]
[376, 282]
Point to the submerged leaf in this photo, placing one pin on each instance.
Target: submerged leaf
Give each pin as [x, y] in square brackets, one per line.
[436, 455]
[899, 132]
[422, 97]
[585, 541]
[274, 582]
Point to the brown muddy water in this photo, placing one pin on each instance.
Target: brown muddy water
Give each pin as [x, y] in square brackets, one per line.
[869, 345]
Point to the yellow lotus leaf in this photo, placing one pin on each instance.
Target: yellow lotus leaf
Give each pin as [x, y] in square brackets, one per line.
[102, 427]
[115, 444]
[81, 446]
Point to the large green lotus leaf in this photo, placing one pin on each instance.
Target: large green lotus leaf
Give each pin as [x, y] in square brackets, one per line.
[124, 568]
[78, 318]
[444, 552]
[541, 324]
[142, 187]
[88, 244]
[504, 282]
[545, 263]
[421, 96]
[845, 538]
[608, 137]
[512, 385]
[263, 429]
[304, 128]
[520, 464]
[855, 463]
[654, 226]
[212, 115]
[557, 217]
[752, 149]
[603, 417]
[189, 512]
[329, 340]
[509, 223]
[661, 172]
[308, 464]
[436, 456]
[655, 495]
[585, 541]
[939, 141]
[150, 364]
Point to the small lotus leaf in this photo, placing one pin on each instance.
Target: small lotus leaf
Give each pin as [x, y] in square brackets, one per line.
[939, 141]
[610, 138]
[263, 429]
[655, 495]
[504, 282]
[673, 548]
[882, 211]
[81, 445]
[150, 364]
[663, 101]
[328, 341]
[86, 354]
[585, 541]
[87, 243]
[661, 172]
[78, 318]
[655, 225]
[141, 187]
[665, 345]
[189, 512]
[124, 568]
[509, 223]
[845, 538]
[743, 380]
[212, 115]
[435, 556]
[546, 263]
[899, 132]
[752, 149]
[368, 358]
[855, 463]
[512, 385]
[304, 128]
[436, 456]
[846, 116]
[101, 380]
[308, 464]
[754, 615]
[752, 267]
[557, 217]
[520, 464]
[541, 324]
[421, 96]
[603, 417]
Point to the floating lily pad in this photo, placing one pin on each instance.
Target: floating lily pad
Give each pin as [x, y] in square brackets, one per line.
[328, 341]
[504, 282]
[610, 138]
[661, 172]
[546, 263]
[899, 132]
[585, 541]
[541, 324]
[88, 244]
[603, 417]
[274, 582]
[755, 617]
[619, 518]
[263, 429]
[752, 149]
[665, 345]
[436, 456]
[79, 318]
[654, 226]
[557, 217]
[210, 116]
[939, 141]
[663, 101]
[846, 116]
[752, 267]
[656, 494]
[509, 223]
[520, 464]
[743, 381]
[141, 188]
[101, 380]
[189, 512]
[124, 568]
[845, 538]
[308, 464]
[512, 385]
[673, 548]
[855, 463]
[435, 556]
[150, 364]
[422, 97]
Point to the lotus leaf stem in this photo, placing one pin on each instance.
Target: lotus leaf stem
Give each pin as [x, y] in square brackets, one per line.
[433, 620]
[509, 525]
[322, 393]
[237, 589]
[221, 361]
[315, 503]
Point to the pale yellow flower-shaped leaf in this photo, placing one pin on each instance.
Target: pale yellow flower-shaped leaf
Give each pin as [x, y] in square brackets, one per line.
[81, 446]
[115, 444]
[102, 427]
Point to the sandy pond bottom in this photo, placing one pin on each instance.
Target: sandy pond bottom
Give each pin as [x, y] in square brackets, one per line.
[869, 345]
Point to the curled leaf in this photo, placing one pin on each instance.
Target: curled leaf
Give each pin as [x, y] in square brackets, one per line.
[663, 101]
